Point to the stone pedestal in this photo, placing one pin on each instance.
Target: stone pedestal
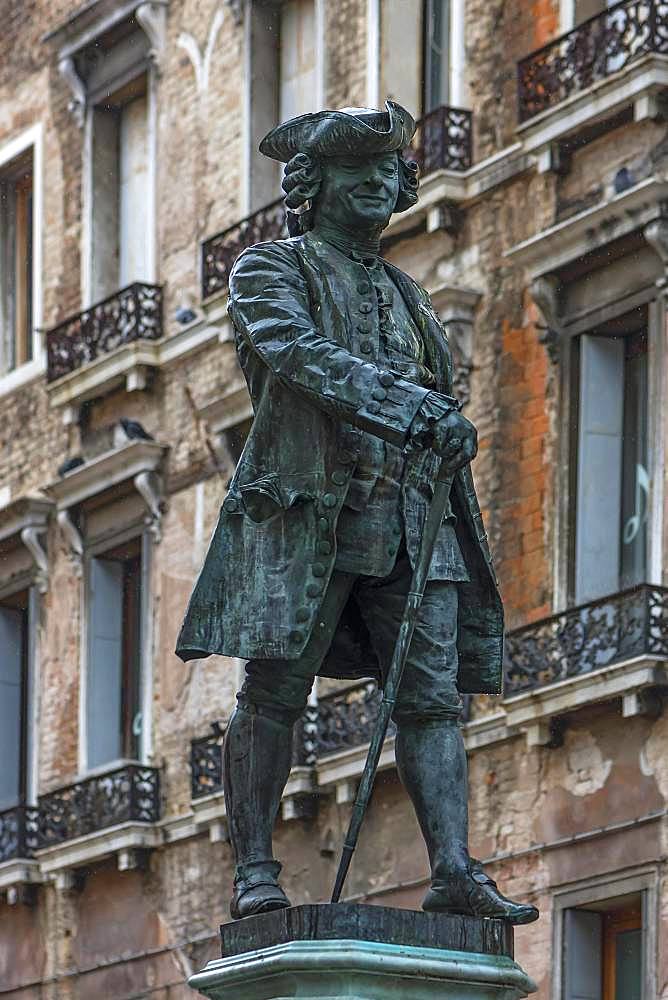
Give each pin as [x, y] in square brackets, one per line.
[330, 952]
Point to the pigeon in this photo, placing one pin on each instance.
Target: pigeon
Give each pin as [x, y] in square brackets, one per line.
[134, 430]
[70, 463]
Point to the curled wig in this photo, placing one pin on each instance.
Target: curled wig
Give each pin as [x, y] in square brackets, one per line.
[302, 178]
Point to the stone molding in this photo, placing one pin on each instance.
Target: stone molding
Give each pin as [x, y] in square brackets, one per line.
[82, 28]
[138, 461]
[553, 248]
[638, 85]
[131, 364]
[26, 521]
[456, 307]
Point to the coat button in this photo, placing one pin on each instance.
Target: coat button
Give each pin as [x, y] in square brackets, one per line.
[313, 590]
[364, 327]
[324, 548]
[323, 524]
[339, 478]
[296, 635]
[231, 505]
[329, 500]
[302, 614]
[365, 346]
[386, 379]
[373, 408]
[365, 308]
[364, 288]
[318, 569]
[379, 394]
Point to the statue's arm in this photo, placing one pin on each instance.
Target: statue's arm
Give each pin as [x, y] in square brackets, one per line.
[269, 306]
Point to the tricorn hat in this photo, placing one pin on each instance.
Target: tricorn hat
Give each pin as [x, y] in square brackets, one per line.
[357, 131]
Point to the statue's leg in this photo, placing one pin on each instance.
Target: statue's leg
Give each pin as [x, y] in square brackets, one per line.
[258, 756]
[430, 754]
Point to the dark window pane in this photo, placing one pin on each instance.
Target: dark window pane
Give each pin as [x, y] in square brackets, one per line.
[436, 53]
[628, 965]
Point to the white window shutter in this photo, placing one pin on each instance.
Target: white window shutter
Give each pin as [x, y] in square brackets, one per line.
[11, 666]
[133, 193]
[104, 673]
[298, 88]
[599, 489]
[582, 956]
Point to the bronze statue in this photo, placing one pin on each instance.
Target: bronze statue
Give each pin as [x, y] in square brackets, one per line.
[308, 571]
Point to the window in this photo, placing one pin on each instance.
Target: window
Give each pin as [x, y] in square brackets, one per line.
[436, 54]
[16, 262]
[603, 951]
[613, 476]
[14, 650]
[120, 190]
[284, 81]
[113, 692]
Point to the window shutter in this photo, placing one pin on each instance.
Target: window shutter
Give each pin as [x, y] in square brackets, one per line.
[582, 955]
[297, 59]
[133, 193]
[11, 666]
[599, 491]
[104, 673]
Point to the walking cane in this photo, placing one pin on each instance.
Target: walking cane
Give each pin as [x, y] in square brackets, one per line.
[413, 602]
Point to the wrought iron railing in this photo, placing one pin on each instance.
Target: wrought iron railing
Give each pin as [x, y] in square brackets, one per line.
[220, 252]
[128, 793]
[594, 635]
[133, 313]
[339, 721]
[18, 832]
[443, 140]
[598, 47]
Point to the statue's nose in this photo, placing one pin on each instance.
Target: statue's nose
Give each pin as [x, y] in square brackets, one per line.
[375, 180]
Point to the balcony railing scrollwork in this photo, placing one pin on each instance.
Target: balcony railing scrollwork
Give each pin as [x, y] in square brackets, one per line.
[592, 51]
[220, 252]
[18, 833]
[631, 623]
[126, 794]
[443, 140]
[133, 313]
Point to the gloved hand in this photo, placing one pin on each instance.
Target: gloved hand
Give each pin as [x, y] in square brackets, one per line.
[455, 439]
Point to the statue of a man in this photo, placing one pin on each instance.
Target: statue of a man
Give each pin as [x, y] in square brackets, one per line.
[350, 374]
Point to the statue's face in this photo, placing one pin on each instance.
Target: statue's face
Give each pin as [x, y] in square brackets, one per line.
[359, 192]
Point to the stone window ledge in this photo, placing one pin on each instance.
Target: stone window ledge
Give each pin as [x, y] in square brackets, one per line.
[19, 872]
[126, 842]
[638, 86]
[131, 365]
[534, 712]
[442, 189]
[24, 522]
[615, 217]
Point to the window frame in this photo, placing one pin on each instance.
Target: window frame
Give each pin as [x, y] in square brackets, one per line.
[93, 550]
[643, 880]
[30, 693]
[247, 204]
[93, 102]
[648, 297]
[32, 139]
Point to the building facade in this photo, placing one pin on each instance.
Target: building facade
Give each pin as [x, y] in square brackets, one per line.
[129, 182]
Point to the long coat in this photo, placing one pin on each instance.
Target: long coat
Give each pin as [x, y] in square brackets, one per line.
[302, 314]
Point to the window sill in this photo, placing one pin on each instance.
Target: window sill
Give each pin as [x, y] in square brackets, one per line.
[533, 712]
[123, 841]
[132, 364]
[19, 871]
[20, 377]
[635, 86]
[613, 218]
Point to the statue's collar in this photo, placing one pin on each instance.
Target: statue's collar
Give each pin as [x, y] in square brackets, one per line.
[325, 246]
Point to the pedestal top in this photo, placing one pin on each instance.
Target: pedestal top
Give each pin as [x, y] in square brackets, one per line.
[355, 922]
